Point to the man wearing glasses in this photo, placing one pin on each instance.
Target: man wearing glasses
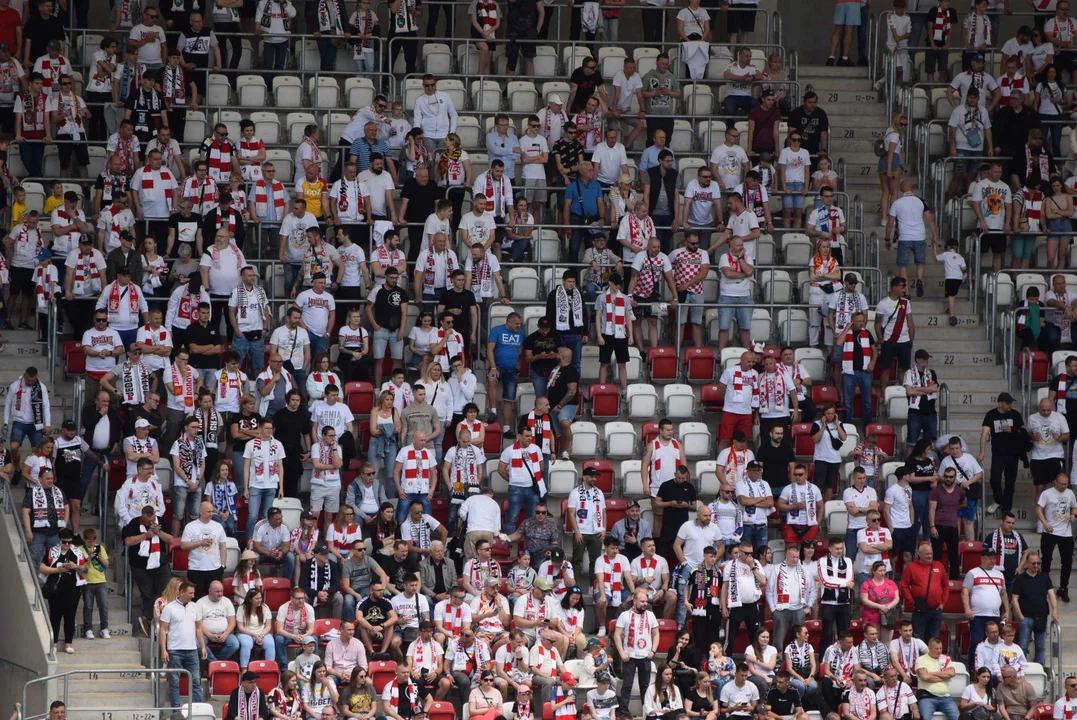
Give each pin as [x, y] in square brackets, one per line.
[435, 114]
[68, 115]
[150, 41]
[101, 345]
[585, 82]
[1033, 601]
[702, 206]
[728, 161]
[828, 223]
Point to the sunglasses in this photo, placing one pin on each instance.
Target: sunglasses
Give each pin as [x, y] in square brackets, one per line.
[541, 512]
[97, 320]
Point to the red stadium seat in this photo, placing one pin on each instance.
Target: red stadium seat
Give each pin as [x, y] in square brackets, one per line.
[74, 358]
[492, 444]
[321, 627]
[815, 632]
[180, 558]
[856, 627]
[117, 473]
[953, 603]
[362, 435]
[500, 549]
[963, 634]
[711, 396]
[887, 437]
[1040, 366]
[276, 591]
[667, 635]
[662, 363]
[440, 509]
[223, 677]
[741, 641]
[824, 395]
[616, 509]
[774, 352]
[547, 711]
[648, 432]
[268, 673]
[970, 554]
[441, 710]
[166, 517]
[802, 442]
[605, 400]
[699, 364]
[228, 581]
[604, 481]
[381, 673]
[874, 403]
[359, 396]
[1045, 711]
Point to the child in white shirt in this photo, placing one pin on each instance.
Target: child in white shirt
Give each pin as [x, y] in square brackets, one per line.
[955, 270]
[898, 30]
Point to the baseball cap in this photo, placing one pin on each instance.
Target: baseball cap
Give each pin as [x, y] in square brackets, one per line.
[739, 436]
[567, 677]
[590, 471]
[753, 465]
[542, 584]
[544, 323]
[850, 278]
[306, 515]
[321, 549]
[310, 640]
[988, 551]
[44, 255]
[634, 504]
[555, 99]
[69, 425]
[1005, 397]
[141, 423]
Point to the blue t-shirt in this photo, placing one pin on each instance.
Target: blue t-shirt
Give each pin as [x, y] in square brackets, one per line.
[507, 346]
[590, 195]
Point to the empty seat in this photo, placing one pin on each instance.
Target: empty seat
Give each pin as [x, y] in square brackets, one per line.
[793, 327]
[585, 439]
[467, 127]
[523, 284]
[679, 401]
[698, 99]
[813, 361]
[562, 477]
[324, 92]
[632, 478]
[662, 364]
[642, 401]
[523, 96]
[708, 478]
[699, 364]
[266, 126]
[545, 61]
[682, 137]
[797, 248]
[437, 58]
[218, 90]
[333, 125]
[620, 438]
[777, 286]
[605, 400]
[287, 91]
[695, 438]
[485, 96]
[359, 91]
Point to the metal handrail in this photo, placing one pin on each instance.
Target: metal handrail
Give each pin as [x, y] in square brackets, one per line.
[65, 678]
[944, 406]
[1054, 657]
[1026, 382]
[37, 602]
[51, 341]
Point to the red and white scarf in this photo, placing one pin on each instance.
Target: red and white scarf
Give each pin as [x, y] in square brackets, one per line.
[1033, 206]
[417, 470]
[215, 252]
[940, 27]
[616, 314]
[233, 216]
[454, 619]
[739, 389]
[315, 152]
[783, 583]
[44, 286]
[809, 502]
[175, 86]
[479, 571]
[410, 691]
[417, 655]
[863, 343]
[612, 574]
[114, 298]
[1040, 162]
[219, 158]
[184, 387]
[535, 463]
[543, 431]
[150, 549]
[261, 198]
[639, 232]
[203, 194]
[296, 621]
[227, 383]
[639, 630]
[773, 394]
[33, 116]
[125, 149]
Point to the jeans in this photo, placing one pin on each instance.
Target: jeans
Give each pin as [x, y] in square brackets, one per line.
[287, 566]
[919, 504]
[350, 602]
[925, 625]
[734, 104]
[579, 236]
[229, 648]
[919, 21]
[382, 454]
[662, 224]
[270, 646]
[255, 349]
[525, 497]
[187, 660]
[42, 542]
[1025, 632]
[97, 592]
[33, 156]
[919, 424]
[931, 705]
[757, 534]
[318, 344]
[631, 667]
[519, 249]
[850, 545]
[575, 342]
[291, 273]
[402, 506]
[366, 62]
[185, 501]
[849, 384]
[258, 506]
[274, 55]
[228, 524]
[677, 584]
[811, 688]
[327, 53]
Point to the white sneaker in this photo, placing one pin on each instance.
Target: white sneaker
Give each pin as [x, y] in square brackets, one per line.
[992, 508]
[69, 650]
[565, 455]
[106, 635]
[89, 635]
[601, 632]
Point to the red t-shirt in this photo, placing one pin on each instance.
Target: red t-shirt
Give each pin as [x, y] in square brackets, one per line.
[10, 20]
[763, 138]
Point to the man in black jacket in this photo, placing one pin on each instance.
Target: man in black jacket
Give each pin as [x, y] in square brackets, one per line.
[662, 198]
[247, 698]
[1011, 125]
[102, 431]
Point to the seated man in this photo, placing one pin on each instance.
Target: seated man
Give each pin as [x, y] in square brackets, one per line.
[295, 620]
[739, 697]
[376, 617]
[273, 541]
[218, 623]
[1015, 696]
[452, 616]
[411, 609]
[933, 673]
[343, 654]
[356, 575]
[783, 701]
[320, 580]
[424, 657]
[859, 701]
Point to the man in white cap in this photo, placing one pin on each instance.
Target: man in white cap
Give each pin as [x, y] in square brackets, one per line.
[552, 119]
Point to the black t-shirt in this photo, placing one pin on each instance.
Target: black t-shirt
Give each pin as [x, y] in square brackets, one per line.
[570, 152]
[783, 703]
[289, 427]
[538, 343]
[186, 229]
[1031, 593]
[1003, 443]
[523, 12]
[387, 306]
[1009, 558]
[197, 47]
[110, 185]
[927, 405]
[208, 335]
[776, 462]
[145, 112]
[53, 513]
[375, 611]
[245, 422]
[138, 562]
[421, 200]
[462, 301]
[557, 392]
[810, 126]
[673, 518]
[585, 87]
[700, 704]
[924, 468]
[398, 570]
[136, 412]
[38, 32]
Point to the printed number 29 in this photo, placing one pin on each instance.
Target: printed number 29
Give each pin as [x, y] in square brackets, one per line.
[832, 97]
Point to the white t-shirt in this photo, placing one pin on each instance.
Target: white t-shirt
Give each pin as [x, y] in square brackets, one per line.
[965, 121]
[861, 499]
[695, 538]
[733, 695]
[732, 287]
[742, 89]
[204, 558]
[638, 627]
[181, 619]
[609, 161]
[316, 308]
[224, 271]
[215, 614]
[743, 404]
[886, 313]
[377, 185]
[326, 478]
[908, 211]
[290, 343]
[650, 577]
[769, 653]
[263, 463]
[1012, 47]
[629, 86]
[107, 340]
[741, 226]
[701, 211]
[953, 265]
[533, 147]
[809, 493]
[295, 230]
[150, 52]
[693, 24]
[964, 81]
[824, 449]
[1057, 507]
[408, 610]
[434, 225]
[759, 488]
[479, 227]
[730, 162]
[796, 165]
[483, 514]
[148, 445]
[337, 415]
[985, 591]
[993, 197]
[899, 500]
[865, 559]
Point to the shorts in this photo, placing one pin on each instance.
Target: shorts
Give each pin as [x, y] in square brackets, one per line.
[952, 288]
[613, 347]
[905, 539]
[476, 35]
[324, 498]
[385, 337]
[568, 412]
[645, 306]
[22, 282]
[738, 21]
[826, 475]
[731, 422]
[744, 314]
[21, 431]
[598, 594]
[695, 314]
[918, 249]
[507, 377]
[1044, 472]
[847, 13]
[794, 199]
[1023, 246]
[901, 351]
[967, 166]
[524, 31]
[969, 511]
[799, 534]
[66, 150]
[936, 61]
[895, 164]
[535, 190]
[993, 241]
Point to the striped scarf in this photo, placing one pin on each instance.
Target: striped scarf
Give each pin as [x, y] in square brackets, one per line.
[541, 428]
[863, 342]
[219, 158]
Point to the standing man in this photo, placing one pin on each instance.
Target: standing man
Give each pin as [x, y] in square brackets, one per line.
[944, 502]
[1056, 509]
[838, 580]
[565, 309]
[521, 465]
[182, 642]
[985, 600]
[791, 595]
[859, 353]
[908, 223]
[896, 331]
[743, 585]
[503, 347]
[435, 114]
[921, 389]
[636, 637]
[1050, 435]
[248, 315]
[660, 89]
[1033, 603]
[924, 586]
[1003, 425]
[740, 405]
[587, 520]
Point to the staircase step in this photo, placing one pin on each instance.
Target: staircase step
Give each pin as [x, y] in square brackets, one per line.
[971, 398]
[843, 115]
[835, 94]
[112, 659]
[850, 140]
[113, 700]
[937, 319]
[128, 683]
[146, 712]
[117, 642]
[808, 73]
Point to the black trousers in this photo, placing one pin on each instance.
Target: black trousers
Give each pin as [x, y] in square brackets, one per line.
[80, 313]
[705, 628]
[229, 58]
[950, 537]
[63, 606]
[654, 23]
[354, 370]
[1003, 465]
[409, 43]
[203, 578]
[177, 122]
[98, 129]
[150, 584]
[293, 471]
[432, 19]
[747, 614]
[831, 692]
[1048, 543]
[218, 305]
[836, 619]
[628, 669]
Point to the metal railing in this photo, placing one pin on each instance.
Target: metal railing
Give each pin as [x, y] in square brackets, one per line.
[1054, 656]
[64, 692]
[37, 601]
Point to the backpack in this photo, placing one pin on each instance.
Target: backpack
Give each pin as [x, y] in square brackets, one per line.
[880, 147]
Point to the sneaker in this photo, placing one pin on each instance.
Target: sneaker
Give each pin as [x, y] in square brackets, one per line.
[565, 455]
[919, 288]
[845, 62]
[42, 341]
[106, 635]
[993, 507]
[508, 434]
[491, 416]
[7, 325]
[953, 321]
[25, 326]
[601, 632]
[89, 634]
[69, 650]
[144, 626]
[830, 61]
[1064, 594]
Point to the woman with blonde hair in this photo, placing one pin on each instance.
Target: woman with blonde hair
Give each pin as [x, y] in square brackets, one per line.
[385, 428]
[824, 276]
[154, 269]
[170, 593]
[890, 163]
[439, 395]
[620, 200]
[453, 172]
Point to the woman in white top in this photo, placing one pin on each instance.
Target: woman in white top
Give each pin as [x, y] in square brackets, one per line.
[99, 89]
[452, 171]
[320, 692]
[694, 23]
[321, 376]
[824, 274]
[827, 457]
[154, 270]
[569, 618]
[1050, 100]
[354, 343]
[794, 163]
[621, 200]
[1042, 55]
[519, 230]
[41, 458]
[824, 176]
[890, 163]
[254, 626]
[421, 337]
[761, 658]
[978, 693]
[663, 696]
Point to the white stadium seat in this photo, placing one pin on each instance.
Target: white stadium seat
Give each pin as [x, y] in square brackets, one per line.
[252, 91]
[679, 401]
[324, 92]
[642, 401]
[695, 438]
[620, 439]
[287, 91]
[585, 438]
[562, 477]
[631, 478]
[708, 478]
[359, 91]
[837, 517]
